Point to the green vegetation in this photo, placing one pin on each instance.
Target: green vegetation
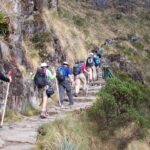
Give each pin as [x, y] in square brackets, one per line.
[12, 116]
[39, 39]
[3, 25]
[74, 132]
[80, 22]
[121, 102]
[30, 111]
[138, 45]
[64, 13]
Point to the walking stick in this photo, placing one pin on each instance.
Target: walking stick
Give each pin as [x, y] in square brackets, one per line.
[58, 91]
[5, 102]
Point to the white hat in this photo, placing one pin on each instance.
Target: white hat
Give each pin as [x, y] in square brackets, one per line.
[44, 65]
[91, 54]
[65, 63]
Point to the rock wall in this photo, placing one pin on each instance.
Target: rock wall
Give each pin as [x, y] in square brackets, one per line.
[25, 19]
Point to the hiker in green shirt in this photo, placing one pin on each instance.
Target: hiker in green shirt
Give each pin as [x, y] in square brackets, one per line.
[41, 79]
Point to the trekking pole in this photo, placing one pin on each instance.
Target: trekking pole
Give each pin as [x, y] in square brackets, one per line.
[5, 102]
[58, 91]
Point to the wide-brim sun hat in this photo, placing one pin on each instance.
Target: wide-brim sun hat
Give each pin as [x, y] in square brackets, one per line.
[44, 64]
[91, 54]
[65, 63]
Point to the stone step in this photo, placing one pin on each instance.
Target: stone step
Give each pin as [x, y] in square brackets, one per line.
[66, 108]
[79, 104]
[94, 88]
[18, 146]
[84, 99]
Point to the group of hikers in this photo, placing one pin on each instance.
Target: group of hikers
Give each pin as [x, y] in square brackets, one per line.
[79, 76]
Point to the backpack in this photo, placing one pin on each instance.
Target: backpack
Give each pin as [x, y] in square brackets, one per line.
[83, 66]
[99, 51]
[76, 69]
[40, 78]
[50, 91]
[96, 60]
[90, 61]
[60, 73]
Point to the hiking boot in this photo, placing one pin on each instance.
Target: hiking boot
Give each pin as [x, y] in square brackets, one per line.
[43, 115]
[75, 95]
[70, 105]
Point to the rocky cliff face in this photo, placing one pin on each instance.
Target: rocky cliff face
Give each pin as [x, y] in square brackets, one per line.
[25, 19]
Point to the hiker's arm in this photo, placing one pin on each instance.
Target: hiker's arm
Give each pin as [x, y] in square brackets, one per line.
[50, 75]
[2, 77]
[33, 75]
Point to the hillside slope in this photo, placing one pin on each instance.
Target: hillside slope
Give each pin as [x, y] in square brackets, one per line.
[46, 31]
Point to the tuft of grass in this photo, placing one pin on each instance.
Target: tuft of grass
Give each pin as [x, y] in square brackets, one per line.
[80, 22]
[12, 116]
[3, 25]
[73, 132]
[39, 39]
[64, 13]
[30, 111]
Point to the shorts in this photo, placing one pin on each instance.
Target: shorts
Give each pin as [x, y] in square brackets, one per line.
[42, 92]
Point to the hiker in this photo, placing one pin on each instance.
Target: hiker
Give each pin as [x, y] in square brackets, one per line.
[91, 67]
[78, 70]
[97, 62]
[41, 80]
[98, 51]
[4, 78]
[63, 74]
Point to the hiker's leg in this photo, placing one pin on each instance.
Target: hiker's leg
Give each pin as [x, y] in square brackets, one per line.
[44, 103]
[97, 72]
[90, 74]
[77, 85]
[94, 73]
[69, 91]
[83, 79]
[61, 91]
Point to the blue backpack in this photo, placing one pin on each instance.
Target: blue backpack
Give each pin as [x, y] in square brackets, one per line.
[60, 73]
[96, 60]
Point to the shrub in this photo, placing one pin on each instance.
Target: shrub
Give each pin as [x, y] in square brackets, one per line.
[30, 111]
[63, 13]
[3, 25]
[81, 22]
[138, 45]
[121, 101]
[39, 39]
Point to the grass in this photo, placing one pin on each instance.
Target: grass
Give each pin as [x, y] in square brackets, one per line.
[72, 131]
[12, 116]
[30, 111]
[77, 132]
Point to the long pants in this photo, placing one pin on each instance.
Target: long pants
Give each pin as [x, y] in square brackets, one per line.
[92, 73]
[78, 80]
[65, 85]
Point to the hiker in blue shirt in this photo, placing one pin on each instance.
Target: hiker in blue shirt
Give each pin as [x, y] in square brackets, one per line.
[63, 74]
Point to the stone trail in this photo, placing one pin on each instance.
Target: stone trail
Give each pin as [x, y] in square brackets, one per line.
[22, 135]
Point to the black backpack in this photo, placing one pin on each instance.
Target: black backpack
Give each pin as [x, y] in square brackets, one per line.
[40, 78]
[90, 61]
[50, 91]
[76, 69]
